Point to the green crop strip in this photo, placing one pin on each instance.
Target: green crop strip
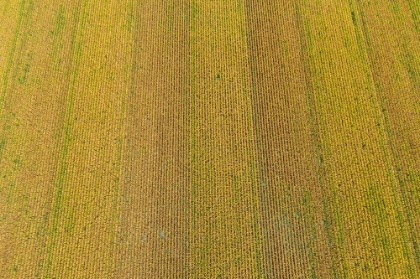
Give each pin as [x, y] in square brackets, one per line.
[11, 56]
[20, 73]
[6, 6]
[415, 13]
[130, 22]
[57, 34]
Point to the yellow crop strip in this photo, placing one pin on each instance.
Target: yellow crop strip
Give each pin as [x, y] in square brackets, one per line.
[415, 13]
[15, 201]
[225, 237]
[368, 233]
[394, 56]
[29, 135]
[83, 219]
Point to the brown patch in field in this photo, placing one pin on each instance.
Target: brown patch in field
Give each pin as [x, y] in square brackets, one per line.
[295, 238]
[153, 238]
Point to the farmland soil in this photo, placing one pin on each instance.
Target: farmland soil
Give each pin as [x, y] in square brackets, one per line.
[209, 139]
